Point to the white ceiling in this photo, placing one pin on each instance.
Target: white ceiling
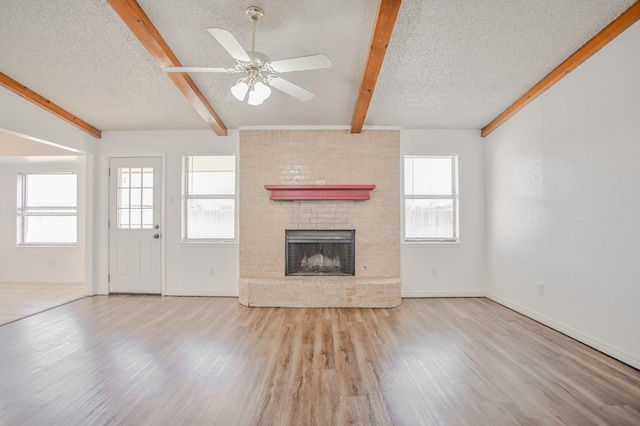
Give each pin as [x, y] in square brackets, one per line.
[450, 63]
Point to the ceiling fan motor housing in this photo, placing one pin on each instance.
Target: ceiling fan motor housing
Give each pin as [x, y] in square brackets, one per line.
[254, 13]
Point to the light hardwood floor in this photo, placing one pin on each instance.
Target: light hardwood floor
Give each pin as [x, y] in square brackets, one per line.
[184, 360]
[19, 300]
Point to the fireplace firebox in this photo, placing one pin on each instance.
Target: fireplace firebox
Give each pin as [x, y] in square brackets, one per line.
[320, 252]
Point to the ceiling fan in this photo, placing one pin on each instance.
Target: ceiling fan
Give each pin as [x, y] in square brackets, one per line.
[260, 73]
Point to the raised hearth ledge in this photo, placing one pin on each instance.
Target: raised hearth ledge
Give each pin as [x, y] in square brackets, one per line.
[320, 292]
[319, 192]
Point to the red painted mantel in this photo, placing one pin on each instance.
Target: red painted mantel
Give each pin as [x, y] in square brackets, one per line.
[319, 192]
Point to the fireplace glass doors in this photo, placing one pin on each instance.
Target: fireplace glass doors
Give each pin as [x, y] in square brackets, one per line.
[320, 252]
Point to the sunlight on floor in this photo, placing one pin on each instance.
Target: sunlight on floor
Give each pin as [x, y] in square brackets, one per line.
[19, 300]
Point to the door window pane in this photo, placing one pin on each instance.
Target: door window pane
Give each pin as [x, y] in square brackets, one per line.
[135, 198]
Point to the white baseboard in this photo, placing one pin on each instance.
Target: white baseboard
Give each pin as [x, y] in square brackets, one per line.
[204, 293]
[188, 292]
[443, 293]
[42, 281]
[604, 347]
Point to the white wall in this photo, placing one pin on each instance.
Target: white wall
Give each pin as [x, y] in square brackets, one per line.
[563, 206]
[201, 269]
[30, 263]
[459, 268]
[23, 118]
[18, 146]
[437, 270]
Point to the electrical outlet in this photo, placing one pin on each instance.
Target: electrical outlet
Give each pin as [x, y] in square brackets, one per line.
[434, 272]
[212, 270]
[540, 289]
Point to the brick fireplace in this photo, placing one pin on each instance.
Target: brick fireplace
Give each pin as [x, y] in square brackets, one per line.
[319, 157]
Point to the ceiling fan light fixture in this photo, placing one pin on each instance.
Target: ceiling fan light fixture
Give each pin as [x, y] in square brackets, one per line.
[262, 90]
[258, 93]
[240, 89]
[255, 98]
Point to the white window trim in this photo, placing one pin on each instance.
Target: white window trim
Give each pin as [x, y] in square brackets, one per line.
[455, 197]
[24, 212]
[185, 197]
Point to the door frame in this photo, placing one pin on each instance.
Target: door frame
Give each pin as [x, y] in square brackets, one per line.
[163, 181]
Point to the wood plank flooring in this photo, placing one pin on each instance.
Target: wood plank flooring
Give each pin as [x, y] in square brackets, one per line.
[148, 360]
[19, 300]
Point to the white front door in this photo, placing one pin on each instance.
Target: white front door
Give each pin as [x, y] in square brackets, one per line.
[135, 231]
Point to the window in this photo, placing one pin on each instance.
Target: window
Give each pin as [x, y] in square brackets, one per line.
[47, 208]
[135, 197]
[209, 198]
[431, 198]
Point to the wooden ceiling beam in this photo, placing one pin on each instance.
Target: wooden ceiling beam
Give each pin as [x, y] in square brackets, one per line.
[28, 94]
[387, 14]
[142, 27]
[611, 31]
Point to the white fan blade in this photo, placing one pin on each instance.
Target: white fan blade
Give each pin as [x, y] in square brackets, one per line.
[230, 44]
[290, 89]
[303, 63]
[198, 69]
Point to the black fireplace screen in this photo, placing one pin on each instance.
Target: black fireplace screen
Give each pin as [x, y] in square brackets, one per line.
[320, 252]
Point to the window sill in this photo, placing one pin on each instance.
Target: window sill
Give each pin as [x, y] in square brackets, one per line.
[47, 245]
[210, 243]
[432, 243]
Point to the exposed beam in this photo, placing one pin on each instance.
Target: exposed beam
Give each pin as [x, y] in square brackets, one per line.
[387, 14]
[58, 111]
[611, 31]
[142, 27]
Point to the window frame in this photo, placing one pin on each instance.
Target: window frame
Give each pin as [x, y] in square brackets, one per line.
[23, 211]
[454, 197]
[186, 197]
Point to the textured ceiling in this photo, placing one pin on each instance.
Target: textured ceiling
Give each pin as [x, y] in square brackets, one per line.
[450, 63]
[460, 63]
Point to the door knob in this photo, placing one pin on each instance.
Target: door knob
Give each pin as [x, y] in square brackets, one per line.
[156, 236]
